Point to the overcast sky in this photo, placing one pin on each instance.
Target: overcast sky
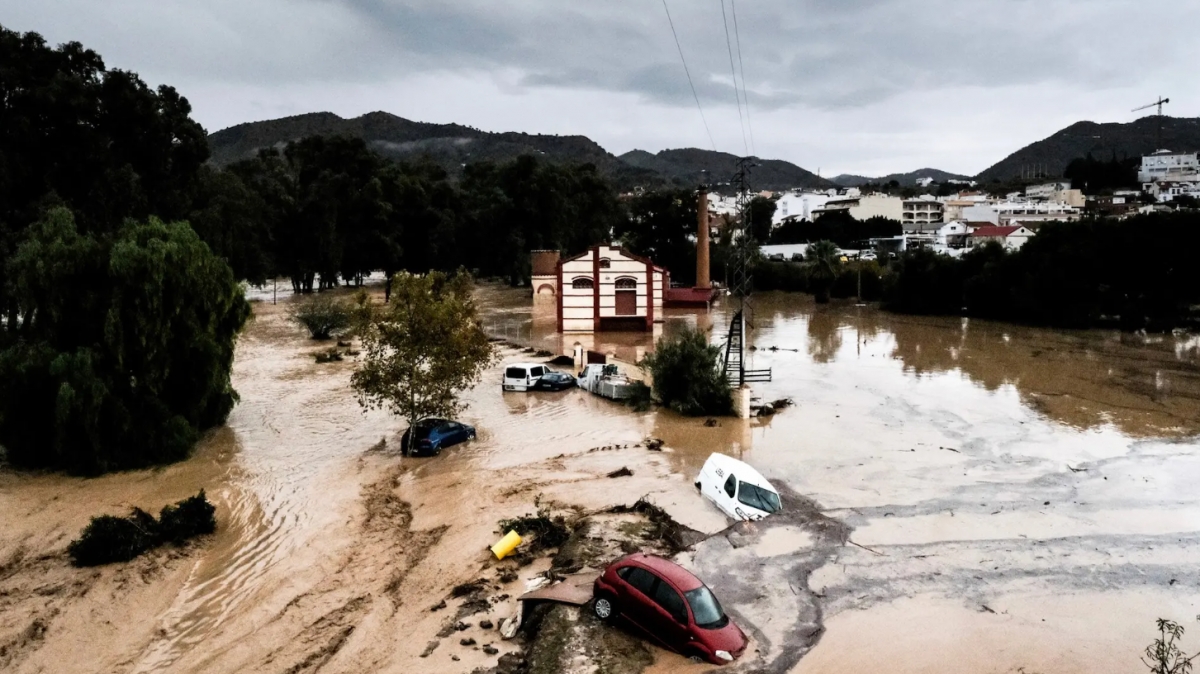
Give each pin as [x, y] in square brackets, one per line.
[843, 86]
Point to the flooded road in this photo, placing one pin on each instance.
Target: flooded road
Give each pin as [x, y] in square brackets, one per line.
[973, 496]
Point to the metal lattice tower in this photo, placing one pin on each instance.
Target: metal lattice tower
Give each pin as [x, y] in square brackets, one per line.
[741, 283]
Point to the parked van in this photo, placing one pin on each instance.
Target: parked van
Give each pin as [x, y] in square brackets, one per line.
[737, 489]
[522, 376]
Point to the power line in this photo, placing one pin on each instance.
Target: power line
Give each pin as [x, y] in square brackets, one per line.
[733, 73]
[689, 77]
[742, 66]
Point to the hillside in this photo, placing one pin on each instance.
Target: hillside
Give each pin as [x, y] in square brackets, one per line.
[450, 145]
[905, 179]
[692, 166]
[1051, 155]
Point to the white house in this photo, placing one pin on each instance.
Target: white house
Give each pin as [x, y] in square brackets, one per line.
[953, 234]
[606, 288]
[799, 206]
[881, 205]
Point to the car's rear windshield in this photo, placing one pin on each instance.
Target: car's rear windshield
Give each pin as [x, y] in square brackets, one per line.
[515, 373]
[706, 609]
[757, 497]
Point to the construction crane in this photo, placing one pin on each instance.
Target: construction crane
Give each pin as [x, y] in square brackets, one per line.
[1159, 103]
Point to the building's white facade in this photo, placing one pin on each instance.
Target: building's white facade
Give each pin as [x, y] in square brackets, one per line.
[878, 205]
[1167, 190]
[1165, 164]
[1013, 212]
[953, 235]
[800, 205]
[606, 288]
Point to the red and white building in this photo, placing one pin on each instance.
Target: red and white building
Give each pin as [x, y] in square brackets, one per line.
[1011, 236]
[605, 288]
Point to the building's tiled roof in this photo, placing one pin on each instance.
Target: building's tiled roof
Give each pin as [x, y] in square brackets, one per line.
[994, 231]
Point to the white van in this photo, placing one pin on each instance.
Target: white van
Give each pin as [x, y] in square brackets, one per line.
[522, 376]
[737, 489]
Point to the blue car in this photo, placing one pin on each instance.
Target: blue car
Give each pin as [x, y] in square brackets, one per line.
[432, 435]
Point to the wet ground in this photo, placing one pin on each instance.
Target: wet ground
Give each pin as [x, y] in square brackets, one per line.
[962, 496]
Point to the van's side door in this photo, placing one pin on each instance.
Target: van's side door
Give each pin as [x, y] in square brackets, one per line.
[535, 373]
[727, 499]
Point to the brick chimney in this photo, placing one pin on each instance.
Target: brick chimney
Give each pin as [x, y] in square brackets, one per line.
[702, 271]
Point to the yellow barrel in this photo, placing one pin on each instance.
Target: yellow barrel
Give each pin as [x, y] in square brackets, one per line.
[506, 545]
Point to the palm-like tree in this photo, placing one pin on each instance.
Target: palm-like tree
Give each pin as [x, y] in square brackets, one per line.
[822, 260]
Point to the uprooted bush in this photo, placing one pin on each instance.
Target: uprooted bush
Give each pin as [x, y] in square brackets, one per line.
[546, 531]
[323, 316]
[107, 539]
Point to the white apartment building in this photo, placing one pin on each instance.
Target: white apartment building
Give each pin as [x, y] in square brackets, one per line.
[924, 213]
[1013, 212]
[800, 205]
[1165, 164]
[1046, 191]
[1167, 190]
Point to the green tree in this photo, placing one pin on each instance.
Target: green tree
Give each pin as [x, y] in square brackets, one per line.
[822, 262]
[121, 352]
[688, 377]
[662, 227]
[762, 213]
[423, 348]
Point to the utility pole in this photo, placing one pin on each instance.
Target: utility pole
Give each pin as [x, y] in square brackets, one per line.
[1159, 103]
[740, 287]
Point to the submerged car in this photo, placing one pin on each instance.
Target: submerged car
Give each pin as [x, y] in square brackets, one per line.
[554, 381]
[670, 605]
[432, 435]
[522, 376]
[737, 489]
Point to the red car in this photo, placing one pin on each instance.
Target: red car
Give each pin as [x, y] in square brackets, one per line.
[671, 605]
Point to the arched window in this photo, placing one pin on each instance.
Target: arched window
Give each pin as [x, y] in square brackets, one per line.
[582, 283]
[605, 263]
[626, 283]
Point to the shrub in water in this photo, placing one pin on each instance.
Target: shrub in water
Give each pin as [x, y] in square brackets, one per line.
[190, 517]
[323, 316]
[688, 377]
[107, 539]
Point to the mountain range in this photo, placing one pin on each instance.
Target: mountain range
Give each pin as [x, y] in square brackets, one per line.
[453, 145]
[904, 179]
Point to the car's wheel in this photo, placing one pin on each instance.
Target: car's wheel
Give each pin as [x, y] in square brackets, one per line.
[604, 608]
[696, 657]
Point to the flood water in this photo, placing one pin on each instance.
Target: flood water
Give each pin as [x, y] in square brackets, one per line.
[1042, 474]
[1015, 498]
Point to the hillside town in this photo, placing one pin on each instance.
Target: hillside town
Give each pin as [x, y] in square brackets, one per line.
[969, 217]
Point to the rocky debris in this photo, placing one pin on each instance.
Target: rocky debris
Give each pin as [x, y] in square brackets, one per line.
[430, 648]
[438, 606]
[655, 444]
[486, 625]
[466, 641]
[562, 361]
[491, 650]
[466, 589]
[507, 575]
[461, 626]
[621, 472]
[711, 423]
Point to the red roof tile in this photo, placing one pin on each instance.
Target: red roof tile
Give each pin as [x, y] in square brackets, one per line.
[994, 231]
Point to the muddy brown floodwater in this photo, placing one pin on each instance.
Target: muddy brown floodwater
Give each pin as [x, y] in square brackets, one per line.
[961, 496]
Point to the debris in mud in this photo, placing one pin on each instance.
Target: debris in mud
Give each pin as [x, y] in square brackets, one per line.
[343, 344]
[765, 411]
[462, 627]
[466, 641]
[107, 539]
[438, 606]
[464, 589]
[331, 355]
[546, 531]
[621, 472]
[430, 648]
[491, 650]
[562, 361]
[507, 576]
[782, 403]
[486, 625]
[711, 423]
[655, 444]
[662, 528]
[542, 353]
